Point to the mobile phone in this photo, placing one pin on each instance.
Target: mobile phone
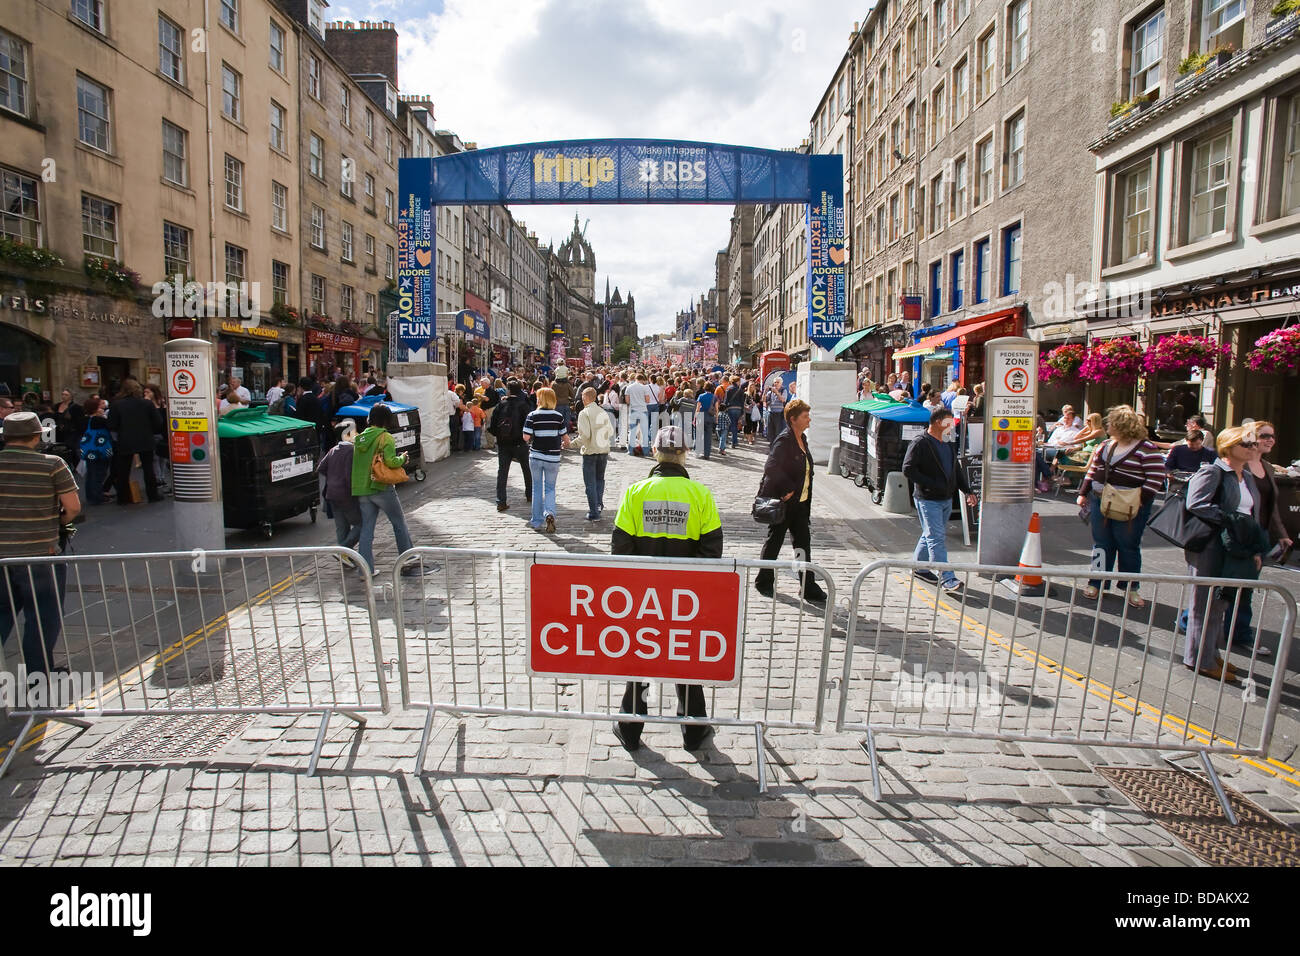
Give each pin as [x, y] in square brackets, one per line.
[1276, 555]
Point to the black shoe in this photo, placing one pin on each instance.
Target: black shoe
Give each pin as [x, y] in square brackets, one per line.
[815, 594]
[503, 507]
[630, 744]
[764, 589]
[417, 570]
[929, 577]
[693, 738]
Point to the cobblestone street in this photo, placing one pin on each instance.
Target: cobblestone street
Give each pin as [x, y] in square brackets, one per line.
[505, 791]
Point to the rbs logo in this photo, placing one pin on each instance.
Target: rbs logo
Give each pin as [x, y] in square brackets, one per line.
[651, 171]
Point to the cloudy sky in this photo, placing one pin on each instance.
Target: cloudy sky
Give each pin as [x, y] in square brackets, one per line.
[514, 72]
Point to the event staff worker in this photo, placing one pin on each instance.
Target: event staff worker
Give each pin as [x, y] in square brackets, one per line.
[788, 475]
[667, 515]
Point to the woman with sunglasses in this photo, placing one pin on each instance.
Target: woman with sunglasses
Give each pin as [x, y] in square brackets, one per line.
[1226, 496]
[1270, 517]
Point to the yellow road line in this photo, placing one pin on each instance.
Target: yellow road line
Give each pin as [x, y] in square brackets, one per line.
[46, 728]
[1132, 704]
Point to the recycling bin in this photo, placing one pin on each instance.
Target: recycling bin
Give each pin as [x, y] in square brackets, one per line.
[268, 468]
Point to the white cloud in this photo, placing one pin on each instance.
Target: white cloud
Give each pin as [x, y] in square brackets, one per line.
[512, 72]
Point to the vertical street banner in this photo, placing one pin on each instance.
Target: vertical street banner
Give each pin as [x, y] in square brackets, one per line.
[827, 255]
[415, 249]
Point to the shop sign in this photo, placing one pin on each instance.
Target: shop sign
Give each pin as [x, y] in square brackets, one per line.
[22, 303]
[335, 341]
[90, 376]
[1210, 301]
[256, 331]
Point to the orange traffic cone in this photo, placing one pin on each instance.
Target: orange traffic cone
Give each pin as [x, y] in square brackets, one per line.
[1031, 558]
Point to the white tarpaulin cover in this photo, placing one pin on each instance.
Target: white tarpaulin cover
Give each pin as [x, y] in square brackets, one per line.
[426, 392]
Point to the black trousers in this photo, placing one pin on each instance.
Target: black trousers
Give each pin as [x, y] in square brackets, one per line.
[797, 515]
[122, 476]
[690, 703]
[506, 453]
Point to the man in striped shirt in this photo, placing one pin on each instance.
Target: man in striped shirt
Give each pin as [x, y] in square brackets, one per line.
[547, 432]
[37, 496]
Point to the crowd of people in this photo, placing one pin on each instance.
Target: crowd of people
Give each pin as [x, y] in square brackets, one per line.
[531, 417]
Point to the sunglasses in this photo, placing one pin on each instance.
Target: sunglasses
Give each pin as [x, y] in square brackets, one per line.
[1267, 437]
[1247, 444]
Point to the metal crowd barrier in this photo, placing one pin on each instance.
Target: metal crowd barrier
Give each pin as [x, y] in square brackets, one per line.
[920, 661]
[463, 646]
[170, 634]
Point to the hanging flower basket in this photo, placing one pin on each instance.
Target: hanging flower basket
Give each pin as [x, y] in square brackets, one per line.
[1181, 353]
[1112, 362]
[1061, 364]
[1278, 352]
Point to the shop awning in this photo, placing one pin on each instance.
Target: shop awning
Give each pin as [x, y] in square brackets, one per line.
[853, 338]
[933, 342]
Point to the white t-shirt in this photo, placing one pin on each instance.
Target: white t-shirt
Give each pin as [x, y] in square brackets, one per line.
[1247, 499]
[274, 394]
[245, 394]
[1064, 434]
[638, 396]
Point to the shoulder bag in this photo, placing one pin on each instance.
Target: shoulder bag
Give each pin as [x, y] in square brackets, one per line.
[384, 474]
[1119, 504]
[1180, 527]
[768, 510]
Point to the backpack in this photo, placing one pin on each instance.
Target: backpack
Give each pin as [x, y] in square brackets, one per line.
[96, 445]
[505, 423]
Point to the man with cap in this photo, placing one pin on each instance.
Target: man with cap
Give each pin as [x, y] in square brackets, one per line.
[667, 516]
[37, 497]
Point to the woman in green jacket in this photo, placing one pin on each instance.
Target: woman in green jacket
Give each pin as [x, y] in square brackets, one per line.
[374, 496]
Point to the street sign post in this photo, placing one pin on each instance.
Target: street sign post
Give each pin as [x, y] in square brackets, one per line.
[1007, 499]
[193, 447]
[642, 623]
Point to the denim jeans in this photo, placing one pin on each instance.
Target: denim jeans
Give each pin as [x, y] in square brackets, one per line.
[722, 425]
[706, 430]
[734, 424]
[37, 594]
[544, 475]
[96, 475]
[933, 543]
[593, 479]
[347, 527]
[389, 504]
[775, 424]
[1120, 540]
[639, 419]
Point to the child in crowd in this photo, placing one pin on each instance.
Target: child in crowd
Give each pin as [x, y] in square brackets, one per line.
[476, 410]
[467, 427]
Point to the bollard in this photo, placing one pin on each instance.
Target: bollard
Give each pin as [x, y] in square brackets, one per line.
[833, 464]
[897, 501]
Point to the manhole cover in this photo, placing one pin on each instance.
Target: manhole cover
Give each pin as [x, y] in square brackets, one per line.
[1187, 807]
[173, 737]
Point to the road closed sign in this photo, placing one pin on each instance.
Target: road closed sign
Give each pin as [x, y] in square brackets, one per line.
[636, 623]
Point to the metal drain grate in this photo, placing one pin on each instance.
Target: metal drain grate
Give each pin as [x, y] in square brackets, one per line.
[171, 737]
[1186, 806]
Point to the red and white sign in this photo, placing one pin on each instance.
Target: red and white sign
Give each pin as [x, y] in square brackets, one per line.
[651, 623]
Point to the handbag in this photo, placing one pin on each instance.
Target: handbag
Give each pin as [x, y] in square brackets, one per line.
[768, 510]
[1119, 504]
[1180, 527]
[384, 474]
